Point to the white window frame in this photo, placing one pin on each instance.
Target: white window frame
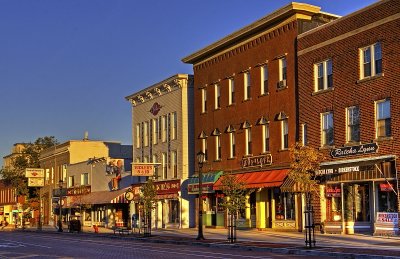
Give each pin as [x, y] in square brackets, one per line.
[323, 70]
[231, 86]
[83, 176]
[325, 126]
[264, 80]
[375, 55]
[350, 122]
[284, 134]
[174, 127]
[380, 116]
[247, 86]
[248, 141]
[265, 138]
[217, 95]
[155, 131]
[203, 100]
[138, 135]
[232, 145]
[282, 69]
[146, 134]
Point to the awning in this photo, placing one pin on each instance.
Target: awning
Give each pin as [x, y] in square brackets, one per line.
[105, 197]
[208, 181]
[289, 185]
[272, 178]
[364, 160]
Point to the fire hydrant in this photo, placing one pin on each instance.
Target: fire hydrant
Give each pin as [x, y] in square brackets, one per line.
[96, 229]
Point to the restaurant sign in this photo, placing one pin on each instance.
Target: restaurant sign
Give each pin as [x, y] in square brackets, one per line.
[386, 187]
[333, 191]
[168, 187]
[339, 170]
[257, 161]
[80, 190]
[354, 150]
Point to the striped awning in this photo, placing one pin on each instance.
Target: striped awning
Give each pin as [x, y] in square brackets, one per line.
[105, 197]
[289, 185]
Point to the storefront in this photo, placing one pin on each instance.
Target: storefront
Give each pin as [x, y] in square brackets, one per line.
[213, 213]
[267, 206]
[356, 191]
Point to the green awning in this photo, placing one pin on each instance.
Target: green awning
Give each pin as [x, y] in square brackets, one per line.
[208, 181]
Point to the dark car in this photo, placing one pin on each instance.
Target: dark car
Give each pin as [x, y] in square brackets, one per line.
[74, 224]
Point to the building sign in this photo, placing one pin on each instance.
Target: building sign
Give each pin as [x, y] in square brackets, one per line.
[142, 169]
[155, 108]
[386, 187]
[387, 217]
[339, 170]
[333, 191]
[1, 210]
[354, 150]
[80, 190]
[257, 161]
[34, 173]
[35, 182]
[168, 187]
[194, 188]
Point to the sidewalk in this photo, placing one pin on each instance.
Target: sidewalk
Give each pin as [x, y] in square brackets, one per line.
[340, 246]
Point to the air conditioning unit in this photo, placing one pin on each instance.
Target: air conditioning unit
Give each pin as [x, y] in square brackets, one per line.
[282, 83]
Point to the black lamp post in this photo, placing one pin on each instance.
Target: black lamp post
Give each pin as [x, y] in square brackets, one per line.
[200, 160]
[60, 185]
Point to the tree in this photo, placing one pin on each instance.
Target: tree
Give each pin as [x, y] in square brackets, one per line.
[148, 195]
[305, 163]
[234, 201]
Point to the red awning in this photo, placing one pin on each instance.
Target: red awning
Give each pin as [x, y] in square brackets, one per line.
[272, 178]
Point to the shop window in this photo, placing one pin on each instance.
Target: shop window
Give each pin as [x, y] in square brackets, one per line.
[284, 205]
[387, 201]
[356, 202]
[334, 202]
[174, 209]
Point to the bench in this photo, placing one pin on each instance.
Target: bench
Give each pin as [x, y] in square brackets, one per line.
[121, 230]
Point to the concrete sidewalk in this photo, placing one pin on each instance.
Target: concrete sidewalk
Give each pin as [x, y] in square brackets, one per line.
[340, 246]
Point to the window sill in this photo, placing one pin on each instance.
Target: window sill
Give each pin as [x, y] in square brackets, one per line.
[217, 109]
[283, 149]
[328, 90]
[381, 139]
[327, 147]
[281, 88]
[249, 155]
[247, 100]
[369, 78]
[262, 95]
[230, 105]
[218, 160]
[231, 158]
[203, 113]
[265, 153]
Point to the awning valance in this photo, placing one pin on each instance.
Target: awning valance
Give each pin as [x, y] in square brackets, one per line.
[208, 181]
[104, 197]
[272, 178]
[363, 160]
[289, 185]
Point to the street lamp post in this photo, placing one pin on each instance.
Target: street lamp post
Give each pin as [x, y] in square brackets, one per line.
[60, 185]
[200, 159]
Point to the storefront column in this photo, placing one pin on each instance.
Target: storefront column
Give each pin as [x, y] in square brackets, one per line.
[184, 212]
[374, 197]
[261, 198]
[342, 197]
[248, 211]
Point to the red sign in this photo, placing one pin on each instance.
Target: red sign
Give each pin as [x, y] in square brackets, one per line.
[167, 187]
[386, 187]
[333, 191]
[155, 109]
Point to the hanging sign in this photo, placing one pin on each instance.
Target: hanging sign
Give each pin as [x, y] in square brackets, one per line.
[386, 187]
[143, 169]
[34, 173]
[333, 191]
[35, 182]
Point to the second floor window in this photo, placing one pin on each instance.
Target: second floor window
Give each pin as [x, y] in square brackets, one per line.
[203, 100]
[323, 75]
[174, 126]
[371, 60]
[232, 145]
[164, 128]
[265, 137]
[353, 124]
[231, 87]
[327, 129]
[248, 150]
[383, 119]
[146, 133]
[138, 135]
[285, 134]
[304, 134]
[71, 181]
[156, 169]
[204, 148]
[217, 96]
[218, 147]
[164, 166]
[282, 72]
[247, 86]
[155, 131]
[174, 164]
[264, 79]
[84, 179]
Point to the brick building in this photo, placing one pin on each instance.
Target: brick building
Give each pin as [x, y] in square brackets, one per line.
[348, 76]
[245, 113]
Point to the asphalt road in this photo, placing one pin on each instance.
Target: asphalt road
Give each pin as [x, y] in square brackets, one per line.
[47, 245]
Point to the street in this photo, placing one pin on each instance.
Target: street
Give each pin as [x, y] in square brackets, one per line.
[50, 245]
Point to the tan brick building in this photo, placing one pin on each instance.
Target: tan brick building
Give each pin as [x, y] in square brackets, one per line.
[349, 102]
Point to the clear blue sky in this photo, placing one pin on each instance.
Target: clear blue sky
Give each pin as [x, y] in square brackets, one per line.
[66, 66]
